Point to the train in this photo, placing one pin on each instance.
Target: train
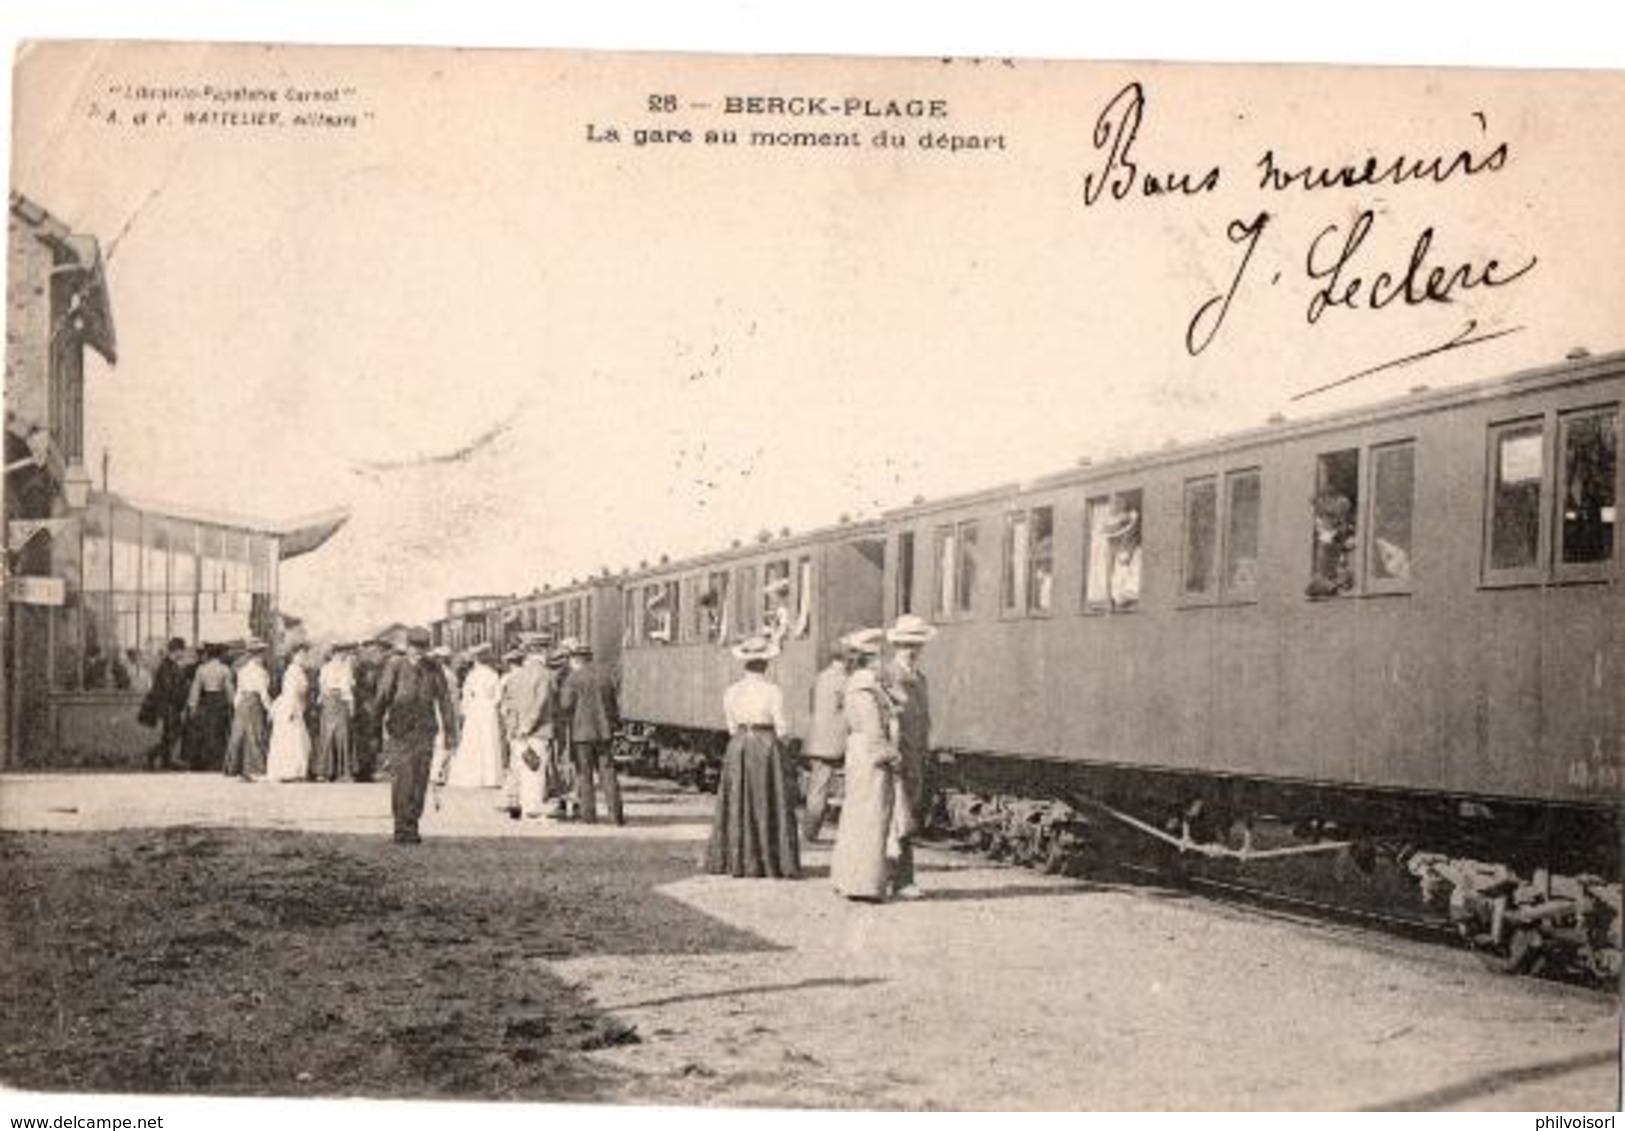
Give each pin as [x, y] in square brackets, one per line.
[1392, 630]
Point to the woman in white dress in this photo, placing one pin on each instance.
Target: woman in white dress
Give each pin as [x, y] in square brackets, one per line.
[289, 757]
[478, 761]
[860, 868]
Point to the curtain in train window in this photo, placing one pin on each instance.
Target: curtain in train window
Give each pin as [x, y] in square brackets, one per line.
[1016, 557]
[1393, 491]
[1335, 511]
[1243, 494]
[748, 597]
[966, 593]
[804, 596]
[715, 603]
[905, 572]
[1041, 561]
[656, 614]
[1201, 537]
[776, 594]
[1515, 503]
[1590, 449]
[947, 559]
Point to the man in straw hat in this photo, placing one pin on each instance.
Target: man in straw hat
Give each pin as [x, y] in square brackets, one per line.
[588, 701]
[917, 773]
[529, 708]
[413, 702]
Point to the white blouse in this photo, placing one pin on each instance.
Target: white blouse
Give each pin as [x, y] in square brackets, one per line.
[755, 701]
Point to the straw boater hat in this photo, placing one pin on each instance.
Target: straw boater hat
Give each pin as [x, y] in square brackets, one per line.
[863, 641]
[1121, 525]
[575, 646]
[254, 644]
[910, 629]
[757, 647]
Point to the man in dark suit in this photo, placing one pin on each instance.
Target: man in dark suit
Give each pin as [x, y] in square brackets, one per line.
[166, 702]
[588, 702]
[412, 693]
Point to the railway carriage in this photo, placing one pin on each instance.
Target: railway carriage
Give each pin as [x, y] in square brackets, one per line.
[679, 620]
[1405, 621]
[589, 610]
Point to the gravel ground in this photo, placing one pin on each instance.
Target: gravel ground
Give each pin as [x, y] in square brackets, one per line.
[184, 933]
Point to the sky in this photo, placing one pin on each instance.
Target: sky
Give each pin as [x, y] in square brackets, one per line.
[658, 349]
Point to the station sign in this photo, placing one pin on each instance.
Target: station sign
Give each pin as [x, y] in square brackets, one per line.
[37, 591]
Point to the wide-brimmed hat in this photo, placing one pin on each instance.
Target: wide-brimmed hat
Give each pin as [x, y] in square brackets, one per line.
[756, 647]
[513, 655]
[535, 641]
[254, 644]
[910, 629]
[1121, 524]
[575, 646]
[863, 641]
[440, 652]
[474, 652]
[419, 637]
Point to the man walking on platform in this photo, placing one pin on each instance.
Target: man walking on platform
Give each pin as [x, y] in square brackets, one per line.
[413, 701]
[588, 702]
[825, 747]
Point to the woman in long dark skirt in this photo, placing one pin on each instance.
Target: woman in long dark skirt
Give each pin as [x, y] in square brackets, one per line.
[754, 831]
[210, 701]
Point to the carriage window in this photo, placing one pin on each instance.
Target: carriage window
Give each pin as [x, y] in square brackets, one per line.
[747, 596]
[905, 572]
[956, 569]
[1335, 510]
[1393, 490]
[1519, 451]
[1243, 495]
[1041, 562]
[1111, 552]
[1201, 537]
[1029, 560]
[1016, 547]
[967, 567]
[660, 612]
[776, 618]
[804, 596]
[714, 606]
[1590, 448]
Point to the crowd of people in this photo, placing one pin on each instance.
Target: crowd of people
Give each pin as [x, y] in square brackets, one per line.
[536, 726]
[870, 719]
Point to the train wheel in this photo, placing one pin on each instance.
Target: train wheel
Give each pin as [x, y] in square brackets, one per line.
[1522, 952]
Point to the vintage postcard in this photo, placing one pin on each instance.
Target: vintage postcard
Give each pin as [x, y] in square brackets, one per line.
[816, 582]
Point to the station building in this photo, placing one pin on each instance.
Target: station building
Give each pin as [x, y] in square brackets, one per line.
[97, 582]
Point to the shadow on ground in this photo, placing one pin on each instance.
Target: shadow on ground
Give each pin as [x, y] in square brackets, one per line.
[262, 962]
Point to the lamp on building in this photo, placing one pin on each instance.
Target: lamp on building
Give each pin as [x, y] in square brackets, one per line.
[76, 487]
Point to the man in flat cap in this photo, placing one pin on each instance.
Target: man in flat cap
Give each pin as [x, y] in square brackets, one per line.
[413, 701]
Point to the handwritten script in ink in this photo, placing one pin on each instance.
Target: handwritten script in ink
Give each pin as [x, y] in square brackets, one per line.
[1336, 263]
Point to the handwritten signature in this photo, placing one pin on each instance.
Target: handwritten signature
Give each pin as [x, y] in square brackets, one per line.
[1335, 263]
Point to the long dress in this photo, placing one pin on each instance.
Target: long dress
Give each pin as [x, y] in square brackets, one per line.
[213, 688]
[333, 758]
[290, 739]
[754, 830]
[858, 866]
[478, 761]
